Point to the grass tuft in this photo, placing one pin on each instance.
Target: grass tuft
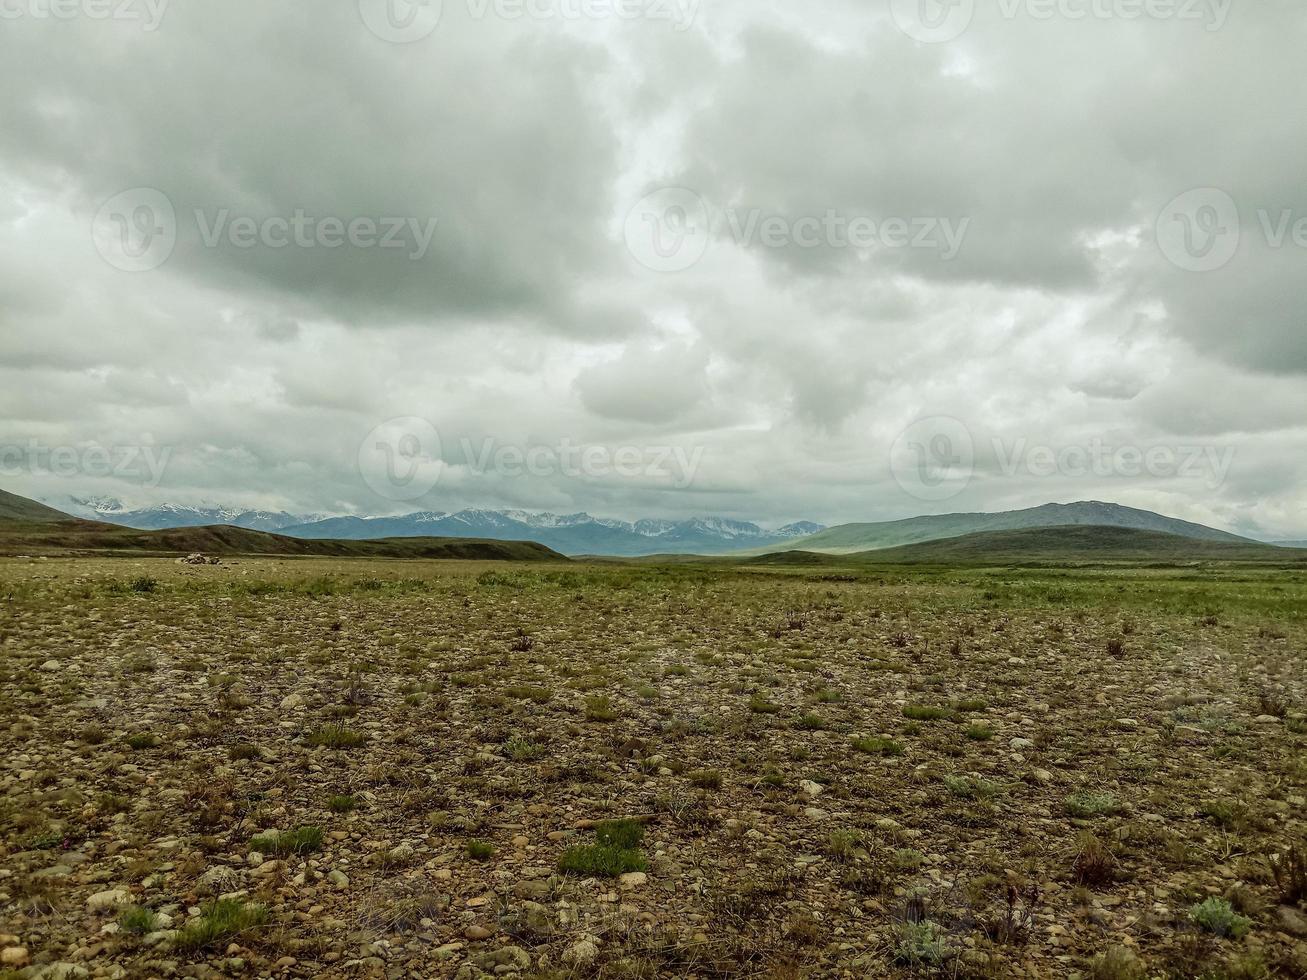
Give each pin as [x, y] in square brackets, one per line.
[221, 920]
[303, 840]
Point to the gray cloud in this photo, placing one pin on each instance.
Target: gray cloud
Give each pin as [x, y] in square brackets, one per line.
[527, 320]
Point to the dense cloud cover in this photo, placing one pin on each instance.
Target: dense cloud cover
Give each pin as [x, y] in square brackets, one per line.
[1070, 236]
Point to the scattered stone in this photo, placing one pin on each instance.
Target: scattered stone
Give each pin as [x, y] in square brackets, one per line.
[14, 956]
[108, 900]
[1292, 921]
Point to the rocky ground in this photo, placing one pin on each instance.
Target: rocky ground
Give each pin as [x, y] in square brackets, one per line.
[323, 769]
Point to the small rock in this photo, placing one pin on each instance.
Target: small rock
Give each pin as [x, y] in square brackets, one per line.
[1292, 921]
[108, 900]
[477, 933]
[533, 890]
[633, 879]
[216, 881]
[581, 954]
[51, 665]
[14, 956]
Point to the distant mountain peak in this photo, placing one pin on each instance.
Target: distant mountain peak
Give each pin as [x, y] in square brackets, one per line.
[851, 538]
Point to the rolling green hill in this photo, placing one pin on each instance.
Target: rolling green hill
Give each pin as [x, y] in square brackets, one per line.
[27, 527]
[852, 538]
[1066, 545]
[16, 508]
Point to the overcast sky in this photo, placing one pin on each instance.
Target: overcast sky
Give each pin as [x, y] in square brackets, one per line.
[832, 260]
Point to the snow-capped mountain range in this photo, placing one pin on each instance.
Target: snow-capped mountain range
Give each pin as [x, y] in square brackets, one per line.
[114, 511]
[571, 534]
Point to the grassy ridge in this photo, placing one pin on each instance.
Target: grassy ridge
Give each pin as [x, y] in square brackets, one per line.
[853, 538]
[1053, 545]
[17, 537]
[16, 508]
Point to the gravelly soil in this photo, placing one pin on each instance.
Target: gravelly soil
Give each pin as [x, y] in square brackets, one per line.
[997, 774]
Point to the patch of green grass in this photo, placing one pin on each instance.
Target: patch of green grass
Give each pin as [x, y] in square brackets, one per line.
[142, 741]
[341, 804]
[922, 712]
[334, 737]
[1116, 963]
[878, 746]
[620, 833]
[137, 920]
[616, 851]
[221, 920]
[599, 707]
[843, 845]
[810, 723]
[908, 859]
[705, 778]
[920, 944]
[970, 788]
[1087, 805]
[302, 840]
[1215, 915]
[528, 692]
[243, 750]
[759, 705]
[979, 733]
[520, 748]
[601, 860]
[479, 850]
[1224, 813]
